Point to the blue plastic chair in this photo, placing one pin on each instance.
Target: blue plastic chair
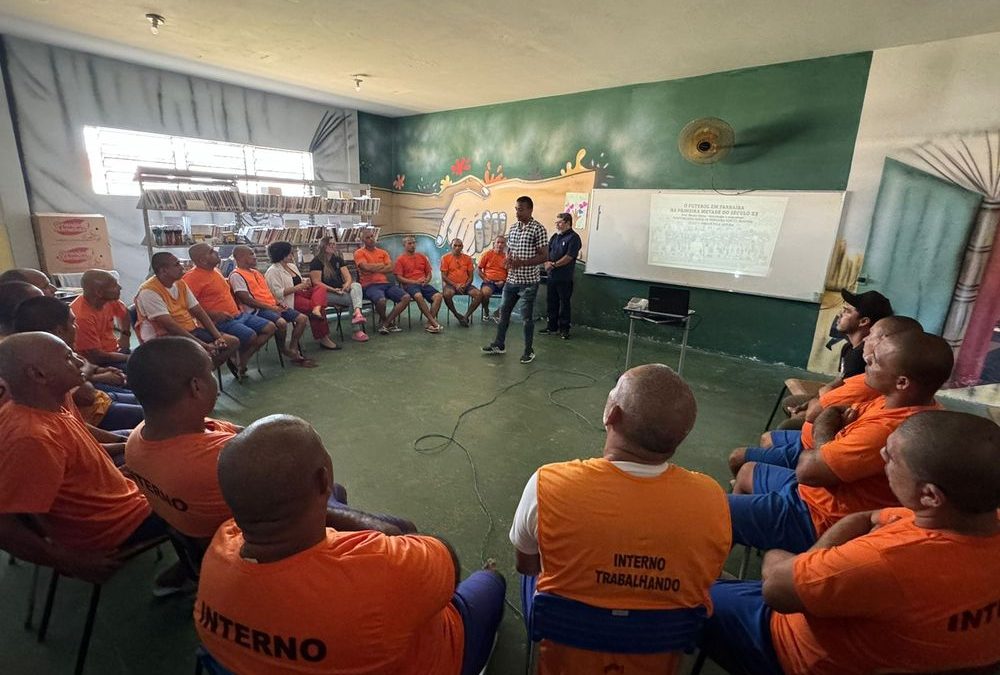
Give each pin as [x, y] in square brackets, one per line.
[205, 663]
[622, 631]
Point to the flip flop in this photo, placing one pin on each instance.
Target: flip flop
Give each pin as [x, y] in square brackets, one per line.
[305, 363]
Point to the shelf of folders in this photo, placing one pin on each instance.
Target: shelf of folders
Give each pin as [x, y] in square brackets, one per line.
[336, 203]
[309, 234]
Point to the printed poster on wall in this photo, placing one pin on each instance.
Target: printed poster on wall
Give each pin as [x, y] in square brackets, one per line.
[715, 233]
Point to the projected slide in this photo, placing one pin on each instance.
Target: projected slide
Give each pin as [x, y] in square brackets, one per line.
[715, 233]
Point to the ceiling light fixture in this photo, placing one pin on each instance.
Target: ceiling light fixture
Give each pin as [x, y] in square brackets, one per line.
[358, 79]
[155, 21]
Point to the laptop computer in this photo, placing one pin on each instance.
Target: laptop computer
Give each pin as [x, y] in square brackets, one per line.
[666, 300]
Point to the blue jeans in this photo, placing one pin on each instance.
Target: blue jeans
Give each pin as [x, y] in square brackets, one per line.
[738, 634]
[512, 293]
[121, 416]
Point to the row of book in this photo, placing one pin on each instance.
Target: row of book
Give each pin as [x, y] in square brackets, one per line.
[305, 235]
[227, 200]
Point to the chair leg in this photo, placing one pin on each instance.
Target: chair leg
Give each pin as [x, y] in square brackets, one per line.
[50, 597]
[340, 329]
[280, 348]
[699, 663]
[88, 629]
[741, 573]
[32, 596]
[777, 404]
[218, 376]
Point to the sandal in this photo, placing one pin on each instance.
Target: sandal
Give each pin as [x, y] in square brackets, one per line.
[303, 362]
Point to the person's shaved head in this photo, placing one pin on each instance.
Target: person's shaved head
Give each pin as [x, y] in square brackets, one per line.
[272, 472]
[100, 285]
[925, 359]
[91, 279]
[161, 261]
[36, 278]
[29, 360]
[43, 314]
[160, 371]
[241, 254]
[957, 452]
[891, 325]
[12, 294]
[657, 407]
[199, 252]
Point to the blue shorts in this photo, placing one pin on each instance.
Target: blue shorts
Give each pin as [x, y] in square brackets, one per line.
[379, 292]
[479, 600]
[495, 286]
[425, 290]
[244, 327]
[738, 634]
[776, 517]
[203, 335]
[786, 446]
[289, 315]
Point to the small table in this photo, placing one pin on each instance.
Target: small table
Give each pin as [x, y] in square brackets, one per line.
[659, 319]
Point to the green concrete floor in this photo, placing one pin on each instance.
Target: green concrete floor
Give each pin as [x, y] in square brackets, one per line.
[370, 402]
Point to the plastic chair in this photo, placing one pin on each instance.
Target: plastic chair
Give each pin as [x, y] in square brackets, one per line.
[623, 631]
[206, 663]
[95, 598]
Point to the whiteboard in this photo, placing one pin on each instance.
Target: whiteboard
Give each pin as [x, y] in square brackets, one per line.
[618, 229]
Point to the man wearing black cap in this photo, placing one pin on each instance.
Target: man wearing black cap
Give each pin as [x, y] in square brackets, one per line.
[856, 319]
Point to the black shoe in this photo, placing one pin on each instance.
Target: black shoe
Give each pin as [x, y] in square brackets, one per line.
[493, 348]
[548, 331]
[528, 357]
[564, 335]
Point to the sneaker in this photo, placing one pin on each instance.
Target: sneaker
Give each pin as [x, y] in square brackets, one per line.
[394, 328]
[528, 357]
[547, 331]
[495, 317]
[485, 318]
[494, 348]
[564, 335]
[434, 330]
[383, 329]
[463, 322]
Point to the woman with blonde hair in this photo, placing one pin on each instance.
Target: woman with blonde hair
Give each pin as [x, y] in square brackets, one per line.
[328, 270]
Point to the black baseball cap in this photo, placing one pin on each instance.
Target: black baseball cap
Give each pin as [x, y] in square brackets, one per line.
[870, 304]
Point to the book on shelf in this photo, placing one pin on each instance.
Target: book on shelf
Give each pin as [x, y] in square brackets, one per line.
[229, 200]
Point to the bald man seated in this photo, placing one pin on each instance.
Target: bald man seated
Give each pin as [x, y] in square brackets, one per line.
[12, 294]
[99, 314]
[114, 412]
[627, 530]
[63, 503]
[36, 278]
[212, 291]
[783, 446]
[788, 507]
[165, 305]
[282, 591]
[899, 590]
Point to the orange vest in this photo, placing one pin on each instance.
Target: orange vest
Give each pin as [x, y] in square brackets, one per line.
[257, 285]
[177, 307]
[614, 540]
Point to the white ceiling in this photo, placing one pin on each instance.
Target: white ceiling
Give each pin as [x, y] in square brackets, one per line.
[422, 56]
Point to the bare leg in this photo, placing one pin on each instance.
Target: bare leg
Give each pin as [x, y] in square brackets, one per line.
[435, 306]
[396, 311]
[449, 294]
[475, 297]
[297, 331]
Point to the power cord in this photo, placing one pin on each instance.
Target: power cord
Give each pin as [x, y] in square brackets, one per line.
[448, 440]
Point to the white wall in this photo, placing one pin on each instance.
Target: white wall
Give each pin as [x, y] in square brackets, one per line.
[15, 218]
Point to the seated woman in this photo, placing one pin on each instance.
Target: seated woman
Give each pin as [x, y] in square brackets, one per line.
[328, 270]
[289, 288]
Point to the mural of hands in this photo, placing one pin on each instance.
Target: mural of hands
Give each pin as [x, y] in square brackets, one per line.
[477, 231]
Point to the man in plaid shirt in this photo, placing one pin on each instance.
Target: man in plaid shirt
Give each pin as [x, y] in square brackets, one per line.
[527, 250]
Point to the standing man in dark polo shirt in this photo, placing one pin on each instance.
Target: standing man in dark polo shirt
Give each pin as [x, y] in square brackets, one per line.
[564, 247]
[526, 253]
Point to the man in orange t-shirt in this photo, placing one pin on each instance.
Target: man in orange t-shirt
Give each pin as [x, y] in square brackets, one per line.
[63, 504]
[97, 311]
[456, 274]
[777, 507]
[620, 557]
[373, 265]
[493, 272]
[216, 297]
[282, 592]
[783, 446]
[413, 272]
[908, 590]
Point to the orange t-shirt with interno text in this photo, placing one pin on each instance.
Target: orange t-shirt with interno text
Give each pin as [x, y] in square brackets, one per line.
[855, 458]
[178, 476]
[51, 465]
[900, 599]
[611, 539]
[376, 256]
[355, 603]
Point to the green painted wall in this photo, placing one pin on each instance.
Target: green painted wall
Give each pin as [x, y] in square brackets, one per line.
[795, 128]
